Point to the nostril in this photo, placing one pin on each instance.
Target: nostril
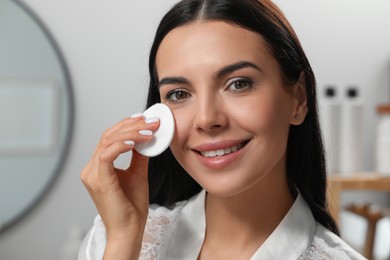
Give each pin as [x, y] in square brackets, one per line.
[210, 127]
[209, 122]
[216, 126]
[210, 115]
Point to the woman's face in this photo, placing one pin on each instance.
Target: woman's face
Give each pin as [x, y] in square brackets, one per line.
[231, 107]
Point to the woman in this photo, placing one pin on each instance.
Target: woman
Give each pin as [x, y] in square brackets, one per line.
[245, 176]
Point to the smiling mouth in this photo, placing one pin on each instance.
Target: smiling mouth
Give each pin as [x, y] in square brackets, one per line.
[222, 152]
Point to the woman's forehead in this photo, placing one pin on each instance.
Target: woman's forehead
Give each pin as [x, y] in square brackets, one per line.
[206, 41]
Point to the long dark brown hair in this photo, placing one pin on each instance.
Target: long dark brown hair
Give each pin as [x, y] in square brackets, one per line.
[306, 170]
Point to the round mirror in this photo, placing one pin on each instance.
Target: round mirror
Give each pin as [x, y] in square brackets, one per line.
[36, 111]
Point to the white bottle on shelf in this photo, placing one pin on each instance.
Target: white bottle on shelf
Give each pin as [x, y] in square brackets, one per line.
[383, 140]
[351, 133]
[330, 125]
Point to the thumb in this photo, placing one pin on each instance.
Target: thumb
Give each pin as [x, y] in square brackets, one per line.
[139, 163]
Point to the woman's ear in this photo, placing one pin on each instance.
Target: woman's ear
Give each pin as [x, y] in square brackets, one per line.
[299, 110]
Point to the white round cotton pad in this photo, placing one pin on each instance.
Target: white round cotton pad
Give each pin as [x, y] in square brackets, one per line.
[162, 137]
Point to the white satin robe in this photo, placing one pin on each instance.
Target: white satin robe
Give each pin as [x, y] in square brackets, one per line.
[178, 233]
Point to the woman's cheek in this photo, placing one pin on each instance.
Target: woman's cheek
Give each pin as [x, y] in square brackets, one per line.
[254, 114]
[182, 129]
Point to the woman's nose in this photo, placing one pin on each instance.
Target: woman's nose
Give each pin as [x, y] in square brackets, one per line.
[210, 114]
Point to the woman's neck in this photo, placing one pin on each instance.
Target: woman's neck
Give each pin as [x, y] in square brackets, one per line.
[244, 221]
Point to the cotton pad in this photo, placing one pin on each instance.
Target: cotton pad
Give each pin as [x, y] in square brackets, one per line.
[162, 137]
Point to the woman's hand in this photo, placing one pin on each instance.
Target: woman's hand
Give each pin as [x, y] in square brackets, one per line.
[121, 196]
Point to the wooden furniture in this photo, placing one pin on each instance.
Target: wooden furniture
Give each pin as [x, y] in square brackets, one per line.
[362, 181]
[372, 214]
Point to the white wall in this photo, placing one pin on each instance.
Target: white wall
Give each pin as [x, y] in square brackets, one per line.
[348, 44]
[106, 45]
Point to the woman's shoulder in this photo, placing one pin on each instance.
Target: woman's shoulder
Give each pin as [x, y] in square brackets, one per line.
[327, 245]
[159, 224]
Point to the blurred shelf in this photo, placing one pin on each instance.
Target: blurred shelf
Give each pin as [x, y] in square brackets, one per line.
[338, 183]
[373, 181]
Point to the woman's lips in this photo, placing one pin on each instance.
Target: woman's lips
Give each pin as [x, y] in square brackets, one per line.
[218, 155]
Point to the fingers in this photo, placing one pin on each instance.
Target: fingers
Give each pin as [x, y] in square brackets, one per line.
[119, 139]
[109, 155]
[127, 127]
[119, 125]
[138, 163]
[121, 196]
[130, 129]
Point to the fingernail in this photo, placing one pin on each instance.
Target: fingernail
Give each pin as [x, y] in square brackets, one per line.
[152, 120]
[145, 132]
[136, 115]
[129, 142]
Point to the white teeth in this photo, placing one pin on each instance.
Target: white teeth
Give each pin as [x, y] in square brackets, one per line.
[221, 152]
[227, 150]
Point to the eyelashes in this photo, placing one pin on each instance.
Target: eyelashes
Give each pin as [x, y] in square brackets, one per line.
[240, 84]
[236, 85]
[177, 96]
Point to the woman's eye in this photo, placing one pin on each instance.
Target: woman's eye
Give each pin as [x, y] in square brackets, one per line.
[240, 85]
[176, 96]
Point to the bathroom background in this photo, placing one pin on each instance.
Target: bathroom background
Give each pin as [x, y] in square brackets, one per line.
[106, 44]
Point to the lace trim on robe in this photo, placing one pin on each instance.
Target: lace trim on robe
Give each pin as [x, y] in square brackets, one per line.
[320, 250]
[159, 226]
[161, 223]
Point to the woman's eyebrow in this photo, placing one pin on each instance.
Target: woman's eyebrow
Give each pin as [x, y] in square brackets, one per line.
[222, 72]
[172, 80]
[235, 66]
